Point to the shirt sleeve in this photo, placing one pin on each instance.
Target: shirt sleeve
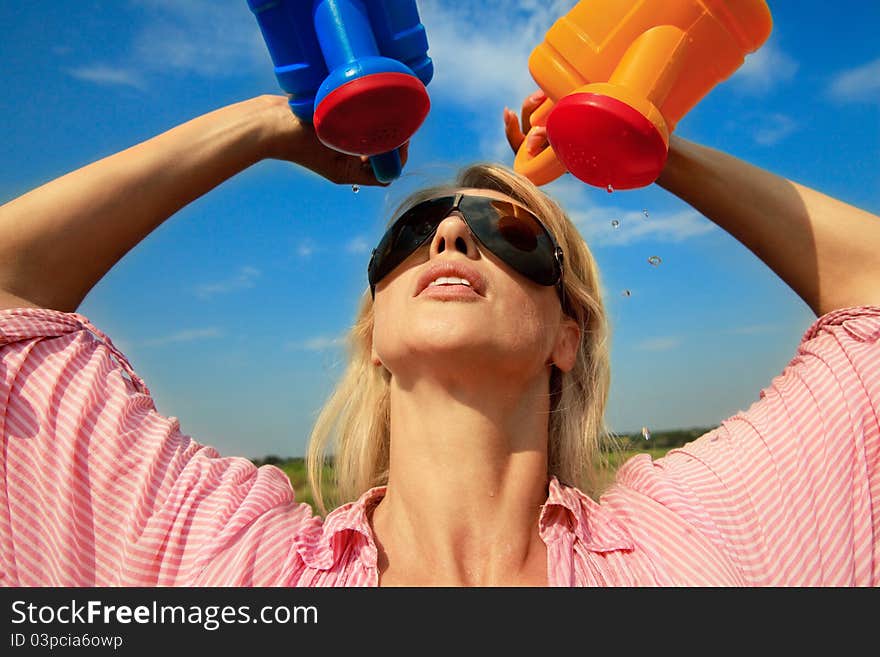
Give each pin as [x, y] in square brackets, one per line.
[789, 490]
[100, 489]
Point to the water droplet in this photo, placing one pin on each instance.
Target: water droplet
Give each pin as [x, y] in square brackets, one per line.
[355, 188]
[626, 293]
[646, 433]
[615, 223]
[645, 212]
[654, 261]
[609, 189]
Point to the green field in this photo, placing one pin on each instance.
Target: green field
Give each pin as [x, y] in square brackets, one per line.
[659, 443]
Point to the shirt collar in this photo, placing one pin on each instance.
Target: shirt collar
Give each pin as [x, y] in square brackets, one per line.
[344, 523]
[567, 511]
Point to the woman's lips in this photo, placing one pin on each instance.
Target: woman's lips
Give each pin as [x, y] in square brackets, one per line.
[439, 270]
[450, 292]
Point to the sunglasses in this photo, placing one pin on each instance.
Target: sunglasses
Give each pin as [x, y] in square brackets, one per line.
[509, 231]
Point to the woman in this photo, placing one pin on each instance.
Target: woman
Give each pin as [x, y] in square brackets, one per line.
[469, 414]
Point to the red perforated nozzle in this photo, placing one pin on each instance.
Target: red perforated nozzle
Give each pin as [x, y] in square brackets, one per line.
[603, 141]
[373, 114]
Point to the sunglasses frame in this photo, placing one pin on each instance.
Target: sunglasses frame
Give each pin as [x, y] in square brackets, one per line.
[457, 198]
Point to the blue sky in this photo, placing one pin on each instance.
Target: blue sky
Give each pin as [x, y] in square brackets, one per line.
[233, 311]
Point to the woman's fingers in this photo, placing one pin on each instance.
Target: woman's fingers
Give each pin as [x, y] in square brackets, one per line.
[536, 140]
[512, 131]
[530, 104]
[357, 169]
[519, 129]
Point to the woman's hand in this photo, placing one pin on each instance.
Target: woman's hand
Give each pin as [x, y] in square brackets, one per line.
[295, 141]
[519, 130]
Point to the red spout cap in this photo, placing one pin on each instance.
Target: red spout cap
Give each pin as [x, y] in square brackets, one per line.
[373, 114]
[603, 141]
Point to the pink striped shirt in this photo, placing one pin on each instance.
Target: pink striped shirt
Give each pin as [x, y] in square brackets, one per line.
[99, 489]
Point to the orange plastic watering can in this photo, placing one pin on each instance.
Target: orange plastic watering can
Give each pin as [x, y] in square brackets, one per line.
[620, 74]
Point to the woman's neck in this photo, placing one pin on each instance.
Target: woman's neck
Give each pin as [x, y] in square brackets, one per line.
[467, 478]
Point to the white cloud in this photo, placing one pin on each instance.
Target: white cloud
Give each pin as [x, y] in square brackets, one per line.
[765, 69]
[207, 38]
[359, 244]
[773, 128]
[481, 50]
[595, 224]
[108, 76]
[306, 248]
[245, 278]
[633, 225]
[663, 343]
[188, 335]
[753, 329]
[317, 343]
[569, 191]
[210, 38]
[857, 84]
[480, 53]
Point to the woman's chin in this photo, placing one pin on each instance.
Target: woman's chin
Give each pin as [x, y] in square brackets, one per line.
[467, 347]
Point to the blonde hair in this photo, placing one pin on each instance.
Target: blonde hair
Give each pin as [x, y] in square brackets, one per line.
[355, 420]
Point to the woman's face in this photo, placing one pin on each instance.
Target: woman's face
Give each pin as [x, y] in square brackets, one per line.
[453, 303]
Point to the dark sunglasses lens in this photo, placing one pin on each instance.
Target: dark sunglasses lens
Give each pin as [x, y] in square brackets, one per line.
[406, 235]
[514, 235]
[521, 235]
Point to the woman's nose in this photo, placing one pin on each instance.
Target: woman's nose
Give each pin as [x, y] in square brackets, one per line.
[453, 233]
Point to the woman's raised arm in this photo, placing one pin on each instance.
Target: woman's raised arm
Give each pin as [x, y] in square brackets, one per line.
[826, 250]
[58, 240]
